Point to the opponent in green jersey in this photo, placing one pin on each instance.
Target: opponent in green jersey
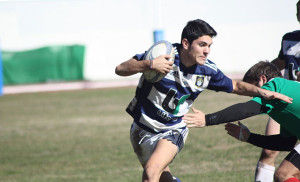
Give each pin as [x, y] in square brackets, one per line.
[265, 75]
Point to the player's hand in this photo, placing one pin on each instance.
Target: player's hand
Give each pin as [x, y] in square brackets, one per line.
[195, 120]
[162, 65]
[240, 132]
[268, 95]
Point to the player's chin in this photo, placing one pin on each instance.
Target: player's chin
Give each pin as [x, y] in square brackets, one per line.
[201, 61]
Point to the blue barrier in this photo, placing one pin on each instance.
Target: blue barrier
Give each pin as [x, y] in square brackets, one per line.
[158, 35]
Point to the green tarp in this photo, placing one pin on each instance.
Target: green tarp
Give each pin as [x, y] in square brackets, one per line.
[46, 64]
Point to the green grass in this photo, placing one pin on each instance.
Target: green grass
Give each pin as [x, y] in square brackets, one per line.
[84, 136]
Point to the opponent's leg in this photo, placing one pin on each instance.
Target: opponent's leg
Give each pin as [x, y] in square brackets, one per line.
[157, 164]
[289, 169]
[286, 172]
[265, 168]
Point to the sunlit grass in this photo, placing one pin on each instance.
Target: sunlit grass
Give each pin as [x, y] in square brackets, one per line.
[84, 136]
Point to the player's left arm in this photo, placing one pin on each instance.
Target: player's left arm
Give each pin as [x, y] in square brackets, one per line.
[243, 88]
[272, 142]
[133, 66]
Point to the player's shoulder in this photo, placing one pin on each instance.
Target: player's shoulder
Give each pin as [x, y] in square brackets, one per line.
[294, 35]
[275, 83]
[280, 80]
[276, 80]
[209, 65]
[176, 47]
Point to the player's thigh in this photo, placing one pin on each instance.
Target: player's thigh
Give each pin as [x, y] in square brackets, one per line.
[143, 143]
[163, 154]
[285, 171]
[290, 166]
[272, 127]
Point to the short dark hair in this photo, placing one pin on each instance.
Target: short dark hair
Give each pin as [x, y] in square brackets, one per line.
[262, 68]
[195, 29]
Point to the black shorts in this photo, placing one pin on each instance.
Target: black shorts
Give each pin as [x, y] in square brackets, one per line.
[294, 158]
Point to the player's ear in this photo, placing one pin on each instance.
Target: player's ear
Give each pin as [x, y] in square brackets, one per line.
[185, 43]
[264, 79]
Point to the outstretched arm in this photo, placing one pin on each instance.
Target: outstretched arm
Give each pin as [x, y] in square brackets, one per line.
[272, 142]
[243, 88]
[232, 113]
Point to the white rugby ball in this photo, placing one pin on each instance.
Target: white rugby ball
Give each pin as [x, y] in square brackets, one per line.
[159, 48]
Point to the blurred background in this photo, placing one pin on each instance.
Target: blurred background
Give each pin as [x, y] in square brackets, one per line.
[48, 45]
[67, 40]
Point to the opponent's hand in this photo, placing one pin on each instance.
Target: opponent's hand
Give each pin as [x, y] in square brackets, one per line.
[195, 120]
[268, 95]
[240, 132]
[162, 65]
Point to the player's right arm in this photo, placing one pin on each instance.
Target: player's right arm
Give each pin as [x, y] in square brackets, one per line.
[230, 114]
[236, 112]
[133, 66]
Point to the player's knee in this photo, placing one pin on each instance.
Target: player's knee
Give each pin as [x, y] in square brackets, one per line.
[280, 175]
[269, 154]
[152, 172]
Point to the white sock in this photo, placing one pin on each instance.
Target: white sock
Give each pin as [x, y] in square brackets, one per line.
[264, 172]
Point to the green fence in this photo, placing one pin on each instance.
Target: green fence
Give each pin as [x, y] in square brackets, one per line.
[46, 64]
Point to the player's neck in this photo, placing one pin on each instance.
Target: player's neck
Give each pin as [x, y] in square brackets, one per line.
[184, 58]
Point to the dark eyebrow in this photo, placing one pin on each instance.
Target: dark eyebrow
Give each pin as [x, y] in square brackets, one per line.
[201, 42]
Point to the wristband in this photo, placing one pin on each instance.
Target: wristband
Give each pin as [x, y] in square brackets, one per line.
[151, 64]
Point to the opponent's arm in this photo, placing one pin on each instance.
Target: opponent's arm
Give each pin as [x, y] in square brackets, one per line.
[243, 88]
[133, 66]
[235, 112]
[272, 142]
[232, 113]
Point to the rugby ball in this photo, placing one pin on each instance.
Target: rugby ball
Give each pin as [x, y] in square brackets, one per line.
[159, 48]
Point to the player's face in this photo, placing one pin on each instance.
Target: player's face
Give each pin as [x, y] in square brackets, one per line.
[199, 50]
[256, 83]
[259, 83]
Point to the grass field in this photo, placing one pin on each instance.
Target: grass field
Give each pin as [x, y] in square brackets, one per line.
[84, 136]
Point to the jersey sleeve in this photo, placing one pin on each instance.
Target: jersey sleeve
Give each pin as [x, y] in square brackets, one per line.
[234, 113]
[139, 57]
[220, 82]
[268, 104]
[284, 132]
[272, 85]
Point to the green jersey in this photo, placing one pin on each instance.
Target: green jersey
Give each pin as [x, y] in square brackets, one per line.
[287, 115]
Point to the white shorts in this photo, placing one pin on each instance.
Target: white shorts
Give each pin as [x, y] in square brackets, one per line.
[144, 142]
